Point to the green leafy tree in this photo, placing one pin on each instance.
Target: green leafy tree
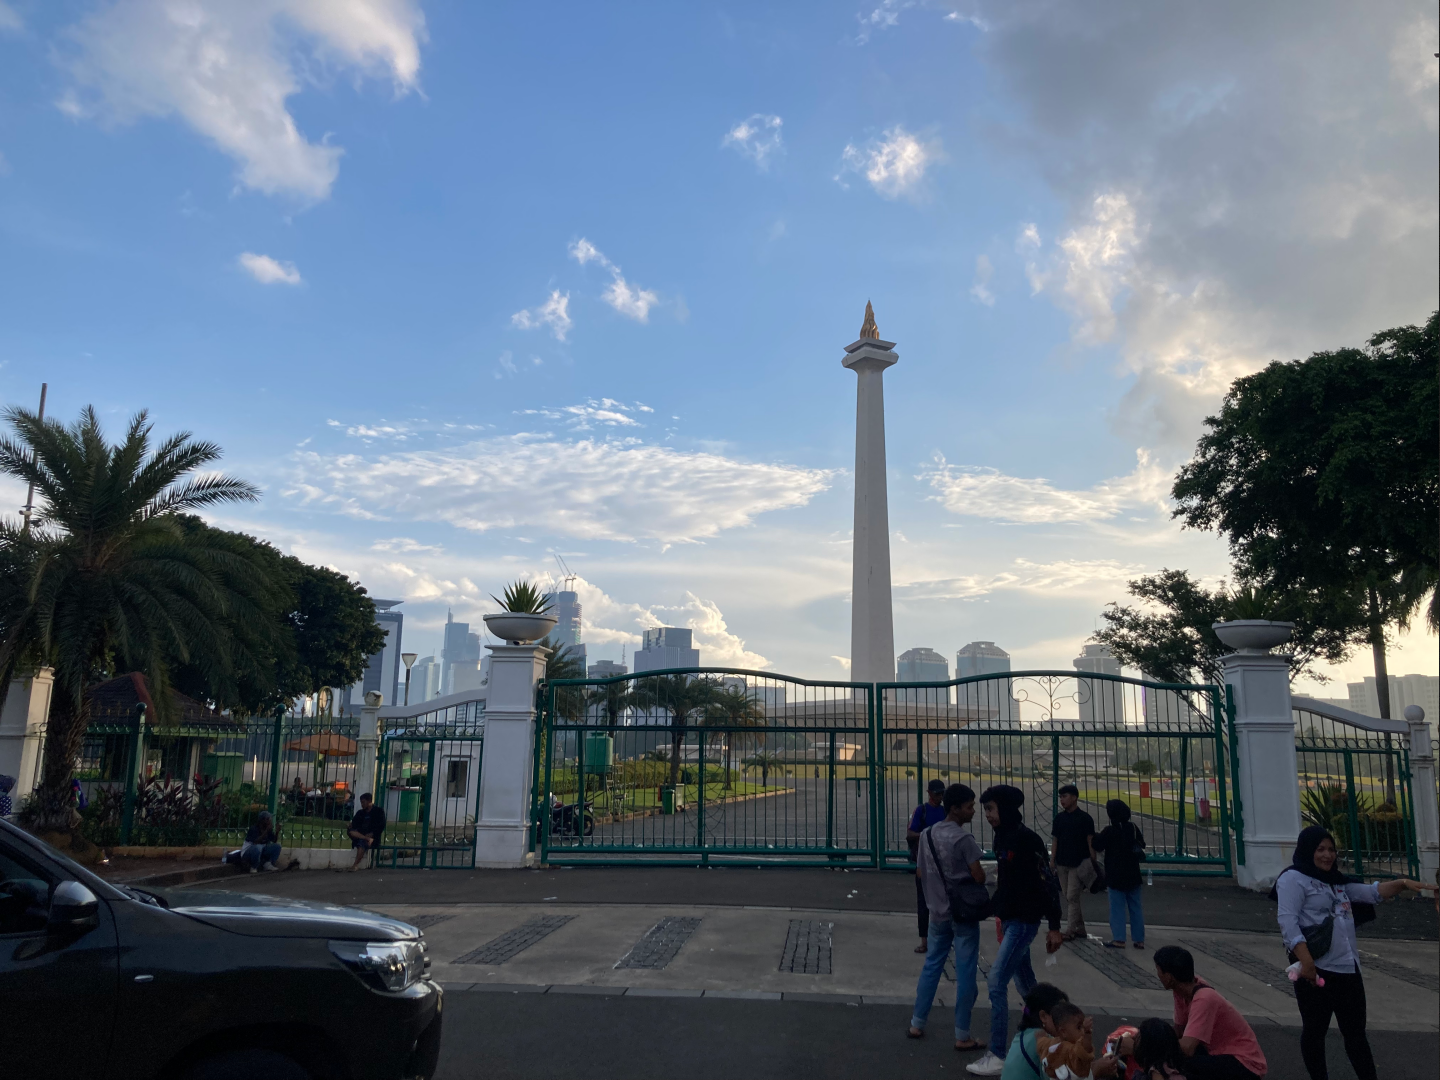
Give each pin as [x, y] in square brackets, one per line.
[1169, 637]
[767, 761]
[1324, 475]
[732, 707]
[107, 579]
[679, 697]
[333, 623]
[562, 661]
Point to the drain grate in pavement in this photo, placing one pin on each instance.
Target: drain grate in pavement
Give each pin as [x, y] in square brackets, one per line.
[1260, 970]
[513, 942]
[807, 947]
[1426, 979]
[660, 944]
[424, 922]
[1114, 965]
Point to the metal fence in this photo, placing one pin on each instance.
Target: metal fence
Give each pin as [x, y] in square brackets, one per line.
[711, 765]
[1355, 781]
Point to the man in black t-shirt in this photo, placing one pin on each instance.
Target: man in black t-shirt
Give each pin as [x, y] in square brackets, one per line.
[1074, 835]
[365, 829]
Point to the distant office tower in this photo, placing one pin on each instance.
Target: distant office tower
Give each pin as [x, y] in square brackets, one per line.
[569, 630]
[923, 665]
[986, 658]
[666, 647]
[382, 670]
[424, 680]
[1422, 690]
[605, 669]
[1102, 702]
[461, 649]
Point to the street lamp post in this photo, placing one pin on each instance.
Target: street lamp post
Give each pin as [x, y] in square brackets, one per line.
[409, 658]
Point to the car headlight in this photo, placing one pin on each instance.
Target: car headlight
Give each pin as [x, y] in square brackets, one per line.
[391, 965]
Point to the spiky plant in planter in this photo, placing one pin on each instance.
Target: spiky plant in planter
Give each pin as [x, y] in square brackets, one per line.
[522, 598]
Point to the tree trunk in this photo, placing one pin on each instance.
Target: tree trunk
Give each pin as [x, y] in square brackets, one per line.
[64, 735]
[1382, 687]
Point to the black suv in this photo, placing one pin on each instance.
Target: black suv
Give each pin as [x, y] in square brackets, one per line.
[103, 980]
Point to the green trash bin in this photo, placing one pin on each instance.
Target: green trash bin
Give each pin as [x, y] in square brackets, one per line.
[409, 806]
[667, 799]
[599, 754]
[228, 768]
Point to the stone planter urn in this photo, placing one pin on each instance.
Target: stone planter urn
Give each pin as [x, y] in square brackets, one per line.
[1252, 635]
[520, 628]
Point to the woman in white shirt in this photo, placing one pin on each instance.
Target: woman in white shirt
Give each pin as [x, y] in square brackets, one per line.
[1318, 911]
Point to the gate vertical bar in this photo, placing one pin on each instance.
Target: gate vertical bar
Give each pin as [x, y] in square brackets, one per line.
[1054, 776]
[544, 815]
[700, 794]
[1239, 807]
[1180, 816]
[1351, 814]
[875, 717]
[1407, 816]
[132, 775]
[277, 748]
[830, 800]
[426, 795]
[577, 821]
[1217, 721]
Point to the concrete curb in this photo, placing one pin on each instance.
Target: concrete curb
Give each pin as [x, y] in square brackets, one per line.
[595, 990]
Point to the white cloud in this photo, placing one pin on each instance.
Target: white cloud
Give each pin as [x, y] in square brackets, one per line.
[629, 300]
[980, 290]
[589, 489]
[987, 493]
[1092, 267]
[886, 15]
[10, 20]
[1068, 575]
[1412, 63]
[605, 412]
[894, 164]
[756, 138]
[269, 271]
[227, 71]
[554, 313]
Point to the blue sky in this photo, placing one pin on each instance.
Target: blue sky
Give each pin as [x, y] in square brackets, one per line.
[464, 286]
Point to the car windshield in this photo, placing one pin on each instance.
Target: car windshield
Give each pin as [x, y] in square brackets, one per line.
[99, 886]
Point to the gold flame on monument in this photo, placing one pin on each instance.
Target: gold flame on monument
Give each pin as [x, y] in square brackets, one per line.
[869, 329]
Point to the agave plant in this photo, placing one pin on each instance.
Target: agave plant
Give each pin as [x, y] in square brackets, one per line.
[522, 598]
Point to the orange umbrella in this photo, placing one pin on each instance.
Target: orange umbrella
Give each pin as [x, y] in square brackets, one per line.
[329, 743]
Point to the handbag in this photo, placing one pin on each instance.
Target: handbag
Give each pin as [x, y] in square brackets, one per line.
[1100, 884]
[969, 900]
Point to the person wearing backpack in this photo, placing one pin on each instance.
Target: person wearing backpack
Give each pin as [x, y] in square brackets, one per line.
[1026, 892]
[1124, 849]
[948, 865]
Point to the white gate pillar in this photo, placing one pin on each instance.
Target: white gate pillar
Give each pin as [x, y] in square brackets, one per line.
[366, 747]
[1267, 787]
[22, 729]
[1423, 792]
[507, 763]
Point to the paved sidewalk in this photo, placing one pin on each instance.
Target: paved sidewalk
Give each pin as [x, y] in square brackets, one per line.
[730, 951]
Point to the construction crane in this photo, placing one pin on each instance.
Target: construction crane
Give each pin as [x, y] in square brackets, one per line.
[568, 576]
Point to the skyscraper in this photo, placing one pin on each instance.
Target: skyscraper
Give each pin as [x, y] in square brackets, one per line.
[986, 658]
[424, 680]
[666, 647]
[569, 630]
[922, 664]
[382, 670]
[461, 649]
[605, 669]
[1102, 702]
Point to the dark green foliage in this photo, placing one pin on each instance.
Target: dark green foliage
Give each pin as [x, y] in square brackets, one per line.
[333, 622]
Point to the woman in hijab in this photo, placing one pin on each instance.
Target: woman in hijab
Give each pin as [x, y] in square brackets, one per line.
[1318, 909]
[6, 783]
[1124, 850]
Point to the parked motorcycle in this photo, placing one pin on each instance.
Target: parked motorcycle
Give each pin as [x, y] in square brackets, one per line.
[563, 817]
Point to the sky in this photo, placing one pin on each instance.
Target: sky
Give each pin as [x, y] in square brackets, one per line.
[463, 287]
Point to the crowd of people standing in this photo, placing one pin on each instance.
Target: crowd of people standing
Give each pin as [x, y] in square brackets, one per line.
[1206, 1038]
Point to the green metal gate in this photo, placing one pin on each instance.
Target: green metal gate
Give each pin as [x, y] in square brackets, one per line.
[428, 783]
[698, 766]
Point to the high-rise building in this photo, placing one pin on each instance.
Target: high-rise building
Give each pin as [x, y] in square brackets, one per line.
[1422, 690]
[666, 647]
[1102, 702]
[424, 680]
[382, 670]
[569, 631]
[986, 658]
[605, 669]
[922, 664]
[460, 649]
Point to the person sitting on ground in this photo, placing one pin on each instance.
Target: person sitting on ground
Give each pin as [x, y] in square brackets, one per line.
[1022, 1062]
[261, 850]
[1069, 1054]
[1022, 898]
[1215, 1041]
[365, 829]
[1157, 1051]
[1116, 1060]
[926, 814]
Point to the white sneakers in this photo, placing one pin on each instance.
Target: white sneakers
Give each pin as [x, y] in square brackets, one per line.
[988, 1065]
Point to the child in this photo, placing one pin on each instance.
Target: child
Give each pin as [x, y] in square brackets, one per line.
[1157, 1050]
[1023, 1059]
[1069, 1052]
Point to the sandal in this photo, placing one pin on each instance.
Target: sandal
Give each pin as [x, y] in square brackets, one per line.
[922, 949]
[911, 1033]
[1114, 944]
[1139, 944]
[970, 1045]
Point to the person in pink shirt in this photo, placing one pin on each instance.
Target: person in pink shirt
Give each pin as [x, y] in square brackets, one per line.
[1215, 1040]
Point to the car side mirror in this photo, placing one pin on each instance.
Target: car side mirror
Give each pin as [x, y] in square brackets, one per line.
[73, 907]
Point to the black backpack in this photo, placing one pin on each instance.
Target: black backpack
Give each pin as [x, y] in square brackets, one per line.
[969, 900]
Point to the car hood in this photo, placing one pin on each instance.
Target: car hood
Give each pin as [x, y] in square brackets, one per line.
[274, 916]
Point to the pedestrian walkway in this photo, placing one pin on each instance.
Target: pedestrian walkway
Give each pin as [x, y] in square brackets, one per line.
[861, 957]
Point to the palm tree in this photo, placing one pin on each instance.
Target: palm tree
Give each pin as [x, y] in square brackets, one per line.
[105, 579]
[764, 760]
[732, 707]
[612, 698]
[678, 696]
[563, 662]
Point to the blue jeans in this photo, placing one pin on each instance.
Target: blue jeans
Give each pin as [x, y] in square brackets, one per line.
[1120, 899]
[966, 938]
[1012, 961]
[256, 854]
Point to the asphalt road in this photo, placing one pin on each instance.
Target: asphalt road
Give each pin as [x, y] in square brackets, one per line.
[498, 1036]
[1189, 902]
